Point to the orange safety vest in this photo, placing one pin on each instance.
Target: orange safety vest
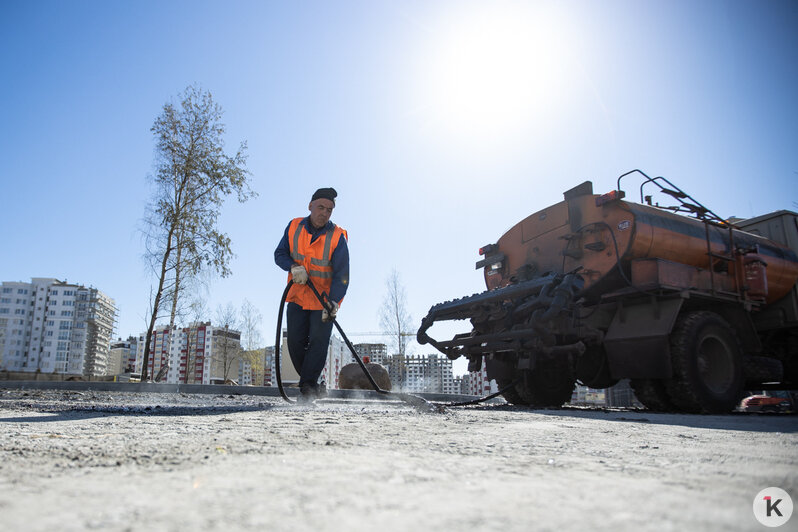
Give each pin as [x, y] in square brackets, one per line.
[315, 257]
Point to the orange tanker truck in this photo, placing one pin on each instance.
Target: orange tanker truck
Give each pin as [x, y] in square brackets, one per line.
[693, 309]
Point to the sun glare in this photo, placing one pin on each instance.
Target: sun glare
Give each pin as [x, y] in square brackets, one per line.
[491, 73]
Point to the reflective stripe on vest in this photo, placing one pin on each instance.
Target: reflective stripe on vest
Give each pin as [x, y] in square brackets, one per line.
[323, 262]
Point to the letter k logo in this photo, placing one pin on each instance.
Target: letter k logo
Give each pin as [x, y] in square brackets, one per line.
[772, 506]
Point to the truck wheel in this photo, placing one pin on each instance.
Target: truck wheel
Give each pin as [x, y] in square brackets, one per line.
[707, 364]
[593, 370]
[653, 394]
[551, 383]
[510, 395]
[757, 370]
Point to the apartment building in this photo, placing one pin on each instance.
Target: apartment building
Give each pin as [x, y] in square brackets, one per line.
[197, 354]
[338, 355]
[397, 370]
[477, 383]
[428, 373]
[122, 356]
[414, 373]
[267, 379]
[377, 353]
[53, 326]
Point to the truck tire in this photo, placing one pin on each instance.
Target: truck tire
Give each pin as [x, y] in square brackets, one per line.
[551, 383]
[510, 395]
[593, 370]
[653, 394]
[707, 364]
[757, 370]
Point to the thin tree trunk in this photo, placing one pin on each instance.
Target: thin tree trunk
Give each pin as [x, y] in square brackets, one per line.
[156, 304]
[175, 294]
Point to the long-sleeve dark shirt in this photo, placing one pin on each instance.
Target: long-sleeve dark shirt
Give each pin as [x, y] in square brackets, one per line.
[339, 259]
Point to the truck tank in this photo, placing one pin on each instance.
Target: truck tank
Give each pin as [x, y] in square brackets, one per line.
[599, 288]
[602, 237]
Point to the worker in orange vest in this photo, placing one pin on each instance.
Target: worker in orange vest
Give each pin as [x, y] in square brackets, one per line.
[313, 248]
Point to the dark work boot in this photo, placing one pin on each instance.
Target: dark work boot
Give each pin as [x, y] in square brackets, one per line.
[307, 394]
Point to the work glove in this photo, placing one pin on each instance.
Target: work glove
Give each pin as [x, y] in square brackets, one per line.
[329, 315]
[299, 274]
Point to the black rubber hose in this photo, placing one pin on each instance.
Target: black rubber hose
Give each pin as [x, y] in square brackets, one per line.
[486, 398]
[348, 343]
[408, 398]
[279, 340]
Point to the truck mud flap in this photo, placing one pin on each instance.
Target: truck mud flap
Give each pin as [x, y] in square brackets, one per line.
[637, 341]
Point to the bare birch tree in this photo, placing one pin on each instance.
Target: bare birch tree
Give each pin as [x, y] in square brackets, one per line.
[395, 320]
[251, 339]
[192, 179]
[226, 341]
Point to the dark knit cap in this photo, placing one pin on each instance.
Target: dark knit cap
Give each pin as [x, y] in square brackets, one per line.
[325, 193]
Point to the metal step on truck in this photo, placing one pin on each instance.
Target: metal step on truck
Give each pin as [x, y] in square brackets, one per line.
[692, 308]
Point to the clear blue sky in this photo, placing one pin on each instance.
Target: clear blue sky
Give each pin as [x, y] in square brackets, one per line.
[440, 123]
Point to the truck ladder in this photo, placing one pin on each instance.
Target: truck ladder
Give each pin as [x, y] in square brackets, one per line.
[688, 204]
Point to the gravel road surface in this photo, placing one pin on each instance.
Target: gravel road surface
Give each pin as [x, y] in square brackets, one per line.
[91, 460]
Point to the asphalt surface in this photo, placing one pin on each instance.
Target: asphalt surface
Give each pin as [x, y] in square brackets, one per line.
[105, 460]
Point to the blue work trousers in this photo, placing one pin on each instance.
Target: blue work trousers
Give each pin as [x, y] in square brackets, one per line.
[308, 340]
